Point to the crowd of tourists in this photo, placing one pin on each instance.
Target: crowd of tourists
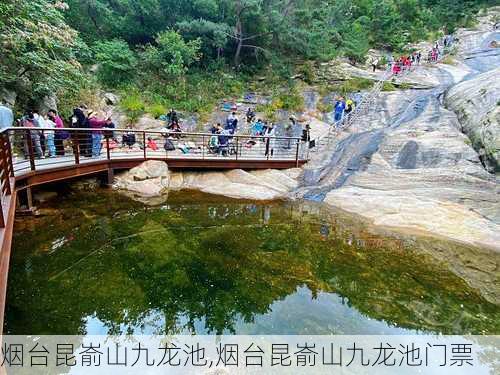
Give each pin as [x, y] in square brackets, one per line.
[48, 135]
[261, 131]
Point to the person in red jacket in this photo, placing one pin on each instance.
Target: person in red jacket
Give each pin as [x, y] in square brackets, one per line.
[96, 123]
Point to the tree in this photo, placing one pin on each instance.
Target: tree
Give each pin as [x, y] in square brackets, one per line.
[356, 44]
[117, 62]
[38, 49]
[171, 56]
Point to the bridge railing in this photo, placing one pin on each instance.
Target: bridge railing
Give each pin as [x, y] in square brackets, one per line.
[44, 148]
[6, 175]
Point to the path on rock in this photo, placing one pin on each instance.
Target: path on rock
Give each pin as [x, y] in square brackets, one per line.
[410, 166]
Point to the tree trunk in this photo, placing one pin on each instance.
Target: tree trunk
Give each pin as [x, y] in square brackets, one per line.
[238, 34]
[238, 52]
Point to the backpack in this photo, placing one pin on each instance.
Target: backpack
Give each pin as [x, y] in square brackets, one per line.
[169, 145]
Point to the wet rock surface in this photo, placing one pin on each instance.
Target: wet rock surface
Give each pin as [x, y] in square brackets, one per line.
[476, 103]
[409, 165]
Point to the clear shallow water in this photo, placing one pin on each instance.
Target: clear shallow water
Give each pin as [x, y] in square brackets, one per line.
[103, 264]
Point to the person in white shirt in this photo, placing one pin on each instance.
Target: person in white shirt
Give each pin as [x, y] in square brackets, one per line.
[49, 136]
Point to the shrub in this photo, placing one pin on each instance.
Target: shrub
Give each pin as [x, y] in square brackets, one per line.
[307, 72]
[325, 107]
[133, 106]
[388, 86]
[117, 62]
[156, 109]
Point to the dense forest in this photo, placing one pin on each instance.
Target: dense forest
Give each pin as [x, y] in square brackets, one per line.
[188, 53]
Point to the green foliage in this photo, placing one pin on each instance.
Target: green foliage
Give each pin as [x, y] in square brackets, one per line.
[156, 109]
[324, 107]
[356, 44]
[156, 46]
[133, 105]
[171, 56]
[290, 100]
[38, 56]
[388, 86]
[348, 86]
[117, 62]
[306, 70]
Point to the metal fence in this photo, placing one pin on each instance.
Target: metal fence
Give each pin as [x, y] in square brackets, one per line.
[44, 148]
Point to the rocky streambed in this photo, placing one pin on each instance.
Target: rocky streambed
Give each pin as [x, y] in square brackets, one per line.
[423, 160]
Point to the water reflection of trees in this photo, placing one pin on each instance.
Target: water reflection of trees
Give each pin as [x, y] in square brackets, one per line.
[216, 264]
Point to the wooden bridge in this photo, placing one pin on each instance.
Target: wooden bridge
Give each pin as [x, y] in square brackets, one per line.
[26, 161]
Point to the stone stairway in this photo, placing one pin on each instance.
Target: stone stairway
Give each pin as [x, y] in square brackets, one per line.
[359, 114]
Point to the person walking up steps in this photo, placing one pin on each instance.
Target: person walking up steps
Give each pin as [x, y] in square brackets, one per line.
[339, 109]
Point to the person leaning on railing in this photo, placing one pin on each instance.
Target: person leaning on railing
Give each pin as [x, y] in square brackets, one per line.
[96, 123]
[29, 122]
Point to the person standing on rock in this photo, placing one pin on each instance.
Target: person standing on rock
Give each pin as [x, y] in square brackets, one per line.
[172, 118]
[374, 64]
[270, 138]
[232, 122]
[390, 61]
[289, 128]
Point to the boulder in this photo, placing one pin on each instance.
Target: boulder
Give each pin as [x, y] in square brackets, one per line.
[48, 103]
[150, 179]
[149, 170]
[147, 122]
[476, 103]
[8, 97]
[87, 184]
[110, 98]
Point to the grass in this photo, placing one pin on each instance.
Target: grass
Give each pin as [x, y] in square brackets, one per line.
[448, 60]
[324, 107]
[388, 86]
[133, 105]
[348, 86]
[156, 109]
[289, 100]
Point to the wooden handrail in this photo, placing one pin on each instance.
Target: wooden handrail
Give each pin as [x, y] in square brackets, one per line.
[136, 131]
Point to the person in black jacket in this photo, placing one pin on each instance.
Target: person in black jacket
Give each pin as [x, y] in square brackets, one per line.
[80, 120]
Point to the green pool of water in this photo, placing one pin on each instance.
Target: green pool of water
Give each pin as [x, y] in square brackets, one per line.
[100, 263]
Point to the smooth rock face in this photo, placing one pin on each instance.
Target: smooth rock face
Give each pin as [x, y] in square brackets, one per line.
[476, 102]
[110, 98]
[409, 166]
[150, 179]
[153, 179]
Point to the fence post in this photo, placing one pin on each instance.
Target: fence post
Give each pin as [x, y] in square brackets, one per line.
[203, 147]
[144, 143]
[29, 142]
[5, 169]
[108, 153]
[297, 154]
[9, 149]
[237, 143]
[2, 221]
[76, 146]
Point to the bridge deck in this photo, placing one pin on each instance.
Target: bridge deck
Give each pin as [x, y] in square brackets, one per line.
[192, 151]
